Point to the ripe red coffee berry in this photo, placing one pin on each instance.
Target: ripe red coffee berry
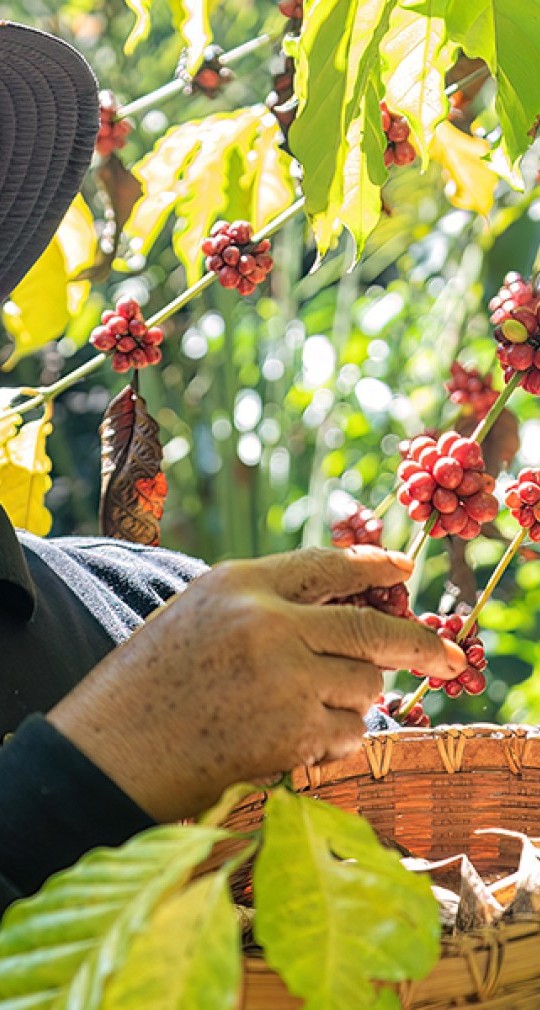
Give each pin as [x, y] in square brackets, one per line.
[448, 472]
[468, 453]
[125, 336]
[361, 527]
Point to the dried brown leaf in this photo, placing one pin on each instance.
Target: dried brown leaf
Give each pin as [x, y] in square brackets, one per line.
[132, 484]
[121, 190]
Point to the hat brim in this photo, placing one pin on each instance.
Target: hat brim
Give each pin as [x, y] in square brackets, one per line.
[48, 126]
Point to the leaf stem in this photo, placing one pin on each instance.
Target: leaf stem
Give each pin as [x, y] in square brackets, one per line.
[421, 537]
[46, 393]
[175, 87]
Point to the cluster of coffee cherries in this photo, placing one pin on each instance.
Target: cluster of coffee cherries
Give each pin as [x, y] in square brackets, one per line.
[399, 151]
[293, 9]
[390, 703]
[281, 100]
[472, 680]
[124, 334]
[232, 255]
[515, 313]
[393, 601]
[361, 527]
[523, 500]
[210, 78]
[447, 476]
[113, 132]
[471, 390]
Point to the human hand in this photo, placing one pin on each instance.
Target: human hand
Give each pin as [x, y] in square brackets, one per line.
[245, 675]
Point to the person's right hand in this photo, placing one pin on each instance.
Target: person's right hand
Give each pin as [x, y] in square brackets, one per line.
[246, 675]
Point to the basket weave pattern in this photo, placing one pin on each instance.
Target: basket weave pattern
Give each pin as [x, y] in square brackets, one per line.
[429, 790]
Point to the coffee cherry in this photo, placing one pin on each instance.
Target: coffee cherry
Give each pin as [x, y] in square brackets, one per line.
[113, 132]
[210, 78]
[399, 151]
[361, 527]
[472, 679]
[516, 317]
[447, 477]
[231, 254]
[390, 703]
[470, 390]
[523, 499]
[292, 9]
[125, 336]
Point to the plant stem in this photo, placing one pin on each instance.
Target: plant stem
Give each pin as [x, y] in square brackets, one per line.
[496, 410]
[46, 393]
[420, 539]
[384, 505]
[476, 75]
[493, 581]
[160, 95]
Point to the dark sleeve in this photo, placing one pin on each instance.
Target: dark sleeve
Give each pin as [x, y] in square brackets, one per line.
[56, 805]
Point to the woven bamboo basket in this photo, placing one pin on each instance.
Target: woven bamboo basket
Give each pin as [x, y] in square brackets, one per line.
[429, 790]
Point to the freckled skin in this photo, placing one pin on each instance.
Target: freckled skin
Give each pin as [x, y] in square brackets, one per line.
[246, 675]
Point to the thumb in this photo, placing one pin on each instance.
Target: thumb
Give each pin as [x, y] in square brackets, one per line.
[315, 575]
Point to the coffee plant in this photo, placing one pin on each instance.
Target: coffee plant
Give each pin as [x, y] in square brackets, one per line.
[364, 189]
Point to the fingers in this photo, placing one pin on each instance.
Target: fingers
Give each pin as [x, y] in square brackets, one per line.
[315, 575]
[389, 642]
[345, 683]
[343, 732]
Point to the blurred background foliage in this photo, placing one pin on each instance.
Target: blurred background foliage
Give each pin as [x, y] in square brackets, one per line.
[276, 412]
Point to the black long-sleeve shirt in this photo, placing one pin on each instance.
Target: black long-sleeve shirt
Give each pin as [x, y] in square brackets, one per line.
[64, 604]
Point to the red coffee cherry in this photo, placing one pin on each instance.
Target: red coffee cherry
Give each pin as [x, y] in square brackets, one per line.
[361, 527]
[113, 132]
[124, 334]
[472, 680]
[399, 151]
[231, 254]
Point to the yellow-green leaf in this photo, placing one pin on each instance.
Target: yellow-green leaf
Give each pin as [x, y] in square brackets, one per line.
[64, 945]
[41, 306]
[338, 57]
[190, 18]
[335, 910]
[362, 196]
[272, 183]
[24, 477]
[471, 183]
[141, 28]
[187, 955]
[416, 56]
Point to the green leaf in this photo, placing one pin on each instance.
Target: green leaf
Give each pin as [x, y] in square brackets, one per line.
[362, 196]
[416, 58]
[230, 798]
[506, 34]
[330, 927]
[70, 939]
[338, 58]
[187, 955]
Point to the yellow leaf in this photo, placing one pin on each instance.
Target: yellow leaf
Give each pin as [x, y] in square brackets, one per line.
[24, 477]
[41, 306]
[471, 183]
[8, 428]
[210, 189]
[273, 187]
[141, 28]
[417, 55]
[361, 208]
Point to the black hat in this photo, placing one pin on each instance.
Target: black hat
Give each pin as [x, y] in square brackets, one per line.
[48, 125]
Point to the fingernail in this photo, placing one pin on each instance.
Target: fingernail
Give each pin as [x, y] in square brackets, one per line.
[455, 657]
[400, 561]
